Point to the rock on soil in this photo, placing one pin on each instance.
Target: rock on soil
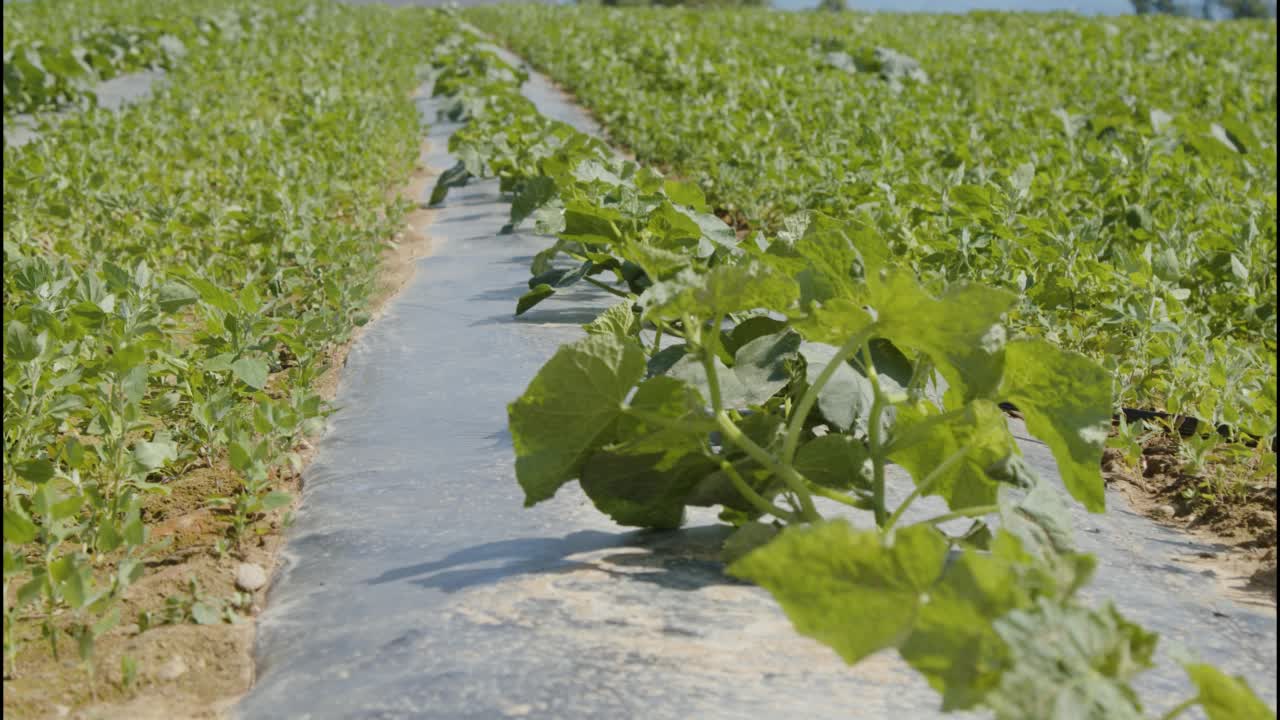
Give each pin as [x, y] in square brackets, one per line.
[173, 669]
[250, 577]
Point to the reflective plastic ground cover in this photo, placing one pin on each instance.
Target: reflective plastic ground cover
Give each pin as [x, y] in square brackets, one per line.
[112, 95]
[416, 585]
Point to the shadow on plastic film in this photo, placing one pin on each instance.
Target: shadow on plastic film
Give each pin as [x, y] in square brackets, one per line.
[685, 559]
[548, 316]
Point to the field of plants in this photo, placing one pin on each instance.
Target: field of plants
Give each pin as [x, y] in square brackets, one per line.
[801, 360]
[176, 277]
[847, 245]
[1118, 176]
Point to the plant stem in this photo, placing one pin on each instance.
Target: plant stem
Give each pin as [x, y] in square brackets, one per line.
[788, 474]
[830, 494]
[709, 365]
[801, 413]
[929, 481]
[607, 288]
[975, 511]
[1180, 708]
[875, 439]
[753, 497]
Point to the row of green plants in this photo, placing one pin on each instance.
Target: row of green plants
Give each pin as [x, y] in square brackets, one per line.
[1118, 175]
[778, 377]
[175, 277]
[55, 52]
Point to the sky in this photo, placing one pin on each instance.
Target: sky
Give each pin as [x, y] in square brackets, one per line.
[1088, 7]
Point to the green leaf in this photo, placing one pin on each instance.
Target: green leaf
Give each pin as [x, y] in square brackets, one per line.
[960, 331]
[834, 322]
[921, 443]
[690, 370]
[273, 500]
[32, 590]
[666, 415]
[571, 404]
[251, 372]
[954, 644]
[205, 614]
[19, 344]
[533, 297]
[633, 491]
[1068, 663]
[714, 229]
[839, 256]
[750, 536]
[590, 224]
[845, 401]
[534, 193]
[836, 461]
[761, 365]
[18, 528]
[750, 329]
[685, 193]
[239, 457]
[69, 581]
[13, 563]
[35, 471]
[173, 296]
[845, 587]
[154, 454]
[1226, 698]
[720, 291]
[619, 320]
[456, 176]
[672, 228]
[1073, 424]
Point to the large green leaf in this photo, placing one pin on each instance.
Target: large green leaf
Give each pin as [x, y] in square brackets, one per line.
[1227, 698]
[1069, 663]
[847, 588]
[722, 290]
[1073, 424]
[836, 461]
[845, 400]
[954, 643]
[761, 364]
[570, 405]
[922, 443]
[960, 330]
[667, 416]
[632, 490]
[619, 320]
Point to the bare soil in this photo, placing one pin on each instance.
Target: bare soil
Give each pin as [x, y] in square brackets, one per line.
[1229, 504]
[186, 670]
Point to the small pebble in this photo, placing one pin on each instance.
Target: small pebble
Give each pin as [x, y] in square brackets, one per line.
[1166, 511]
[250, 577]
[173, 669]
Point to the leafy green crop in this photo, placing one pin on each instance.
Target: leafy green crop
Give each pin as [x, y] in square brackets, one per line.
[779, 379]
[55, 51]
[175, 277]
[1117, 174]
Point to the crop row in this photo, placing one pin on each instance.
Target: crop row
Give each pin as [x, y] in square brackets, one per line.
[777, 377]
[175, 279]
[54, 52]
[1118, 175]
